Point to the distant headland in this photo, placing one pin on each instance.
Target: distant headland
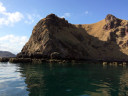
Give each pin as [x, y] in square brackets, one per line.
[55, 38]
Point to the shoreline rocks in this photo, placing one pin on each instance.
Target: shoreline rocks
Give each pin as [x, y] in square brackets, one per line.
[19, 60]
[115, 63]
[62, 61]
[4, 59]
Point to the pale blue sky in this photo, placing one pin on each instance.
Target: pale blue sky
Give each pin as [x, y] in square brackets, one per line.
[18, 17]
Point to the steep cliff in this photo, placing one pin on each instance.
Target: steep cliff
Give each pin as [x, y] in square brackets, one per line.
[54, 37]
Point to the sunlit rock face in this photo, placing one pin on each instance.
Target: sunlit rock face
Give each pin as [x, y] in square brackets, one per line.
[104, 40]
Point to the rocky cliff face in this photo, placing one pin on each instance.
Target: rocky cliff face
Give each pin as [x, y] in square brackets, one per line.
[54, 37]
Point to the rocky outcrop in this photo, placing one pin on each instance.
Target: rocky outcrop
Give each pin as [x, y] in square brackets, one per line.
[44, 42]
[55, 38]
[4, 59]
[111, 22]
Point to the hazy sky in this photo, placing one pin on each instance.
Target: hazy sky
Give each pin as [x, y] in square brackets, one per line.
[18, 17]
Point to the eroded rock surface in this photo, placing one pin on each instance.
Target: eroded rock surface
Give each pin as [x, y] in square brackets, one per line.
[111, 22]
[54, 37]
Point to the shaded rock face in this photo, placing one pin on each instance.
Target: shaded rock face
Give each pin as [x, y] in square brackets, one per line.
[55, 38]
[42, 41]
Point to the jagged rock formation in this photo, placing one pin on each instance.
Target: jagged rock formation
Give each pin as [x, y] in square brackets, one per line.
[6, 54]
[111, 22]
[54, 37]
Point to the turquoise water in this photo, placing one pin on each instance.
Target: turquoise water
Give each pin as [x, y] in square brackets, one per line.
[63, 80]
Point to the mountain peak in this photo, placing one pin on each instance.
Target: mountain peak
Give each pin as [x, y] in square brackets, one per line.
[54, 20]
[51, 16]
[110, 17]
[111, 22]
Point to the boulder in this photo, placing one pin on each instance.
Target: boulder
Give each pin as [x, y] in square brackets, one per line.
[55, 55]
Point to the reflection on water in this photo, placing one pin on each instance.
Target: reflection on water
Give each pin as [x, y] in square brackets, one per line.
[11, 81]
[63, 80]
[124, 83]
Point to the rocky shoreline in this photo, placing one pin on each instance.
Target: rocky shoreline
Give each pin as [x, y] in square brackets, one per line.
[33, 60]
[62, 61]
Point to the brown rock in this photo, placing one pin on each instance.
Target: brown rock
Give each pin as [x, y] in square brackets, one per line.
[19, 60]
[55, 38]
[111, 22]
[55, 55]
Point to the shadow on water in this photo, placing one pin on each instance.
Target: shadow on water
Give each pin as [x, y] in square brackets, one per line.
[75, 80]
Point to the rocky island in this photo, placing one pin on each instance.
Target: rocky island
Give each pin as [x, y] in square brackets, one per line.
[55, 38]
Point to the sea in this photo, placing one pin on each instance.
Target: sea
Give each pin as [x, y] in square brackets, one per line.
[67, 79]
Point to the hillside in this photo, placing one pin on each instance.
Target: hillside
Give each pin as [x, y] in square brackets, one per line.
[6, 54]
[54, 37]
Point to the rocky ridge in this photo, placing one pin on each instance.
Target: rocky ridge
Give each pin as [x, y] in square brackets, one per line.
[55, 38]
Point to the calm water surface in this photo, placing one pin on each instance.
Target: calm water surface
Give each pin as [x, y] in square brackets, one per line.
[63, 80]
